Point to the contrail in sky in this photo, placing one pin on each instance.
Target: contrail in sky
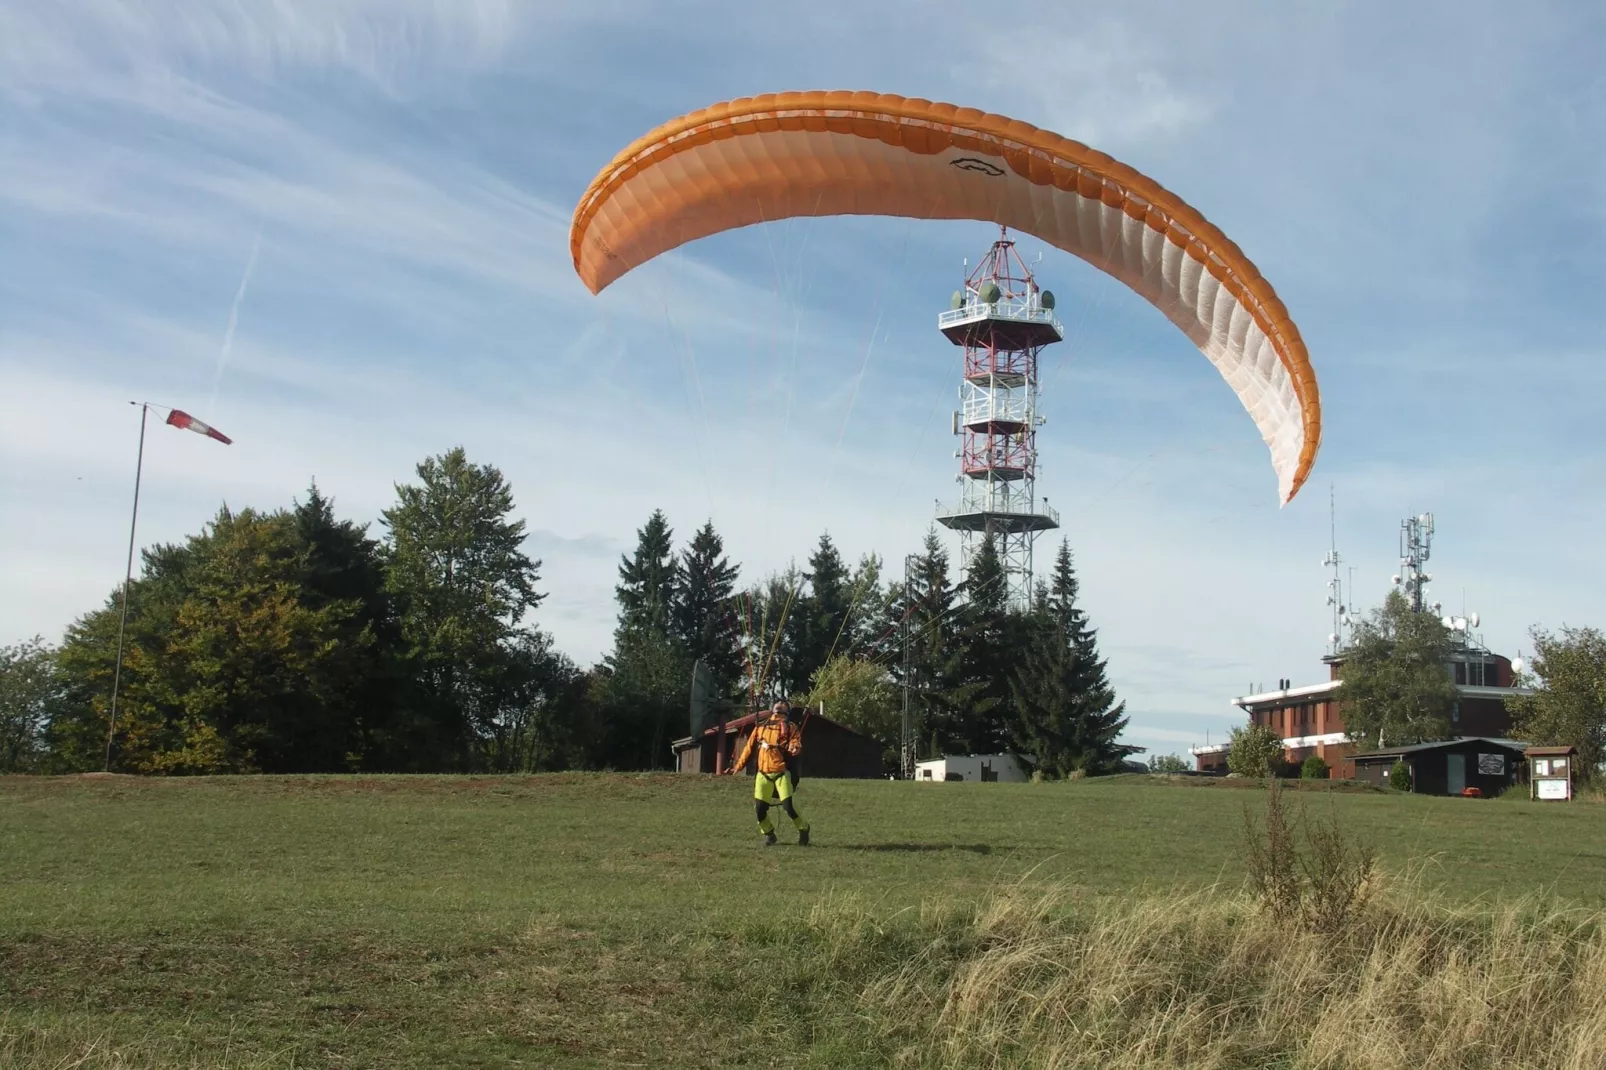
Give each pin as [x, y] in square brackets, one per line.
[234, 318]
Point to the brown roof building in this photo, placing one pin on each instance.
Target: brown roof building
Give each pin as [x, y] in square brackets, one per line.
[830, 749]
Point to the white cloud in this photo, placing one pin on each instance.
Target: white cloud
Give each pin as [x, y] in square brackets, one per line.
[1102, 82]
[1152, 735]
[44, 44]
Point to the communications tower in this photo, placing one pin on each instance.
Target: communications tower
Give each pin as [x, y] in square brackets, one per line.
[1416, 544]
[1002, 320]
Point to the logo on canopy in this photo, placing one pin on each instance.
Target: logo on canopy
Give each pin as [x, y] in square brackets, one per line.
[970, 163]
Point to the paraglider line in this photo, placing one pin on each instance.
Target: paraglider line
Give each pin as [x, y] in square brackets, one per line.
[699, 432]
[869, 346]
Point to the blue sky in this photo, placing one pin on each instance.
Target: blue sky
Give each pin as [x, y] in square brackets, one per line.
[1422, 183]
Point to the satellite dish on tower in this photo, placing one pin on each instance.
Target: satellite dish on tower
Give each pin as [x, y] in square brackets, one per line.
[1474, 619]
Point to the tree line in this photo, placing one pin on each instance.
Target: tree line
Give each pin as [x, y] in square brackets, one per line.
[296, 641]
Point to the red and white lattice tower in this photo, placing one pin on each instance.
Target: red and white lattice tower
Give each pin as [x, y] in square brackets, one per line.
[1002, 321]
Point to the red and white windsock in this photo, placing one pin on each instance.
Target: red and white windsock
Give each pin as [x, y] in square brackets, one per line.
[179, 418]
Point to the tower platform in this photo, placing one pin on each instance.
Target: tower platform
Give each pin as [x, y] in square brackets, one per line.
[962, 517]
[1020, 324]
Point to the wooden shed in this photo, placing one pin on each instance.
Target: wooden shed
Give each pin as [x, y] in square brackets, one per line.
[830, 749]
[1461, 766]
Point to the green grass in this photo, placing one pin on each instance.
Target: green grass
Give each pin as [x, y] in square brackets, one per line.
[578, 920]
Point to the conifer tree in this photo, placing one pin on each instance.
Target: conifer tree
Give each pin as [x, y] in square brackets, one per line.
[823, 611]
[1066, 716]
[773, 656]
[704, 614]
[646, 589]
[921, 615]
[646, 683]
[979, 702]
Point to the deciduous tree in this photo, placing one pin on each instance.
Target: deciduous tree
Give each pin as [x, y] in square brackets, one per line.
[463, 584]
[1568, 706]
[859, 693]
[30, 691]
[1397, 688]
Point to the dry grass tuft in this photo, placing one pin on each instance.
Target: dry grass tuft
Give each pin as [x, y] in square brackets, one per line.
[59, 1046]
[1209, 980]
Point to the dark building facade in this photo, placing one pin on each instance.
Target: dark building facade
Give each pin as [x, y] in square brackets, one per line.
[830, 749]
[1448, 767]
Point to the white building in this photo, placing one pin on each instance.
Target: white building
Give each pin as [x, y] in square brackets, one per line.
[1000, 767]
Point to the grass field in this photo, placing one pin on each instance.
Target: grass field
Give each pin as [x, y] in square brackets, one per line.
[598, 920]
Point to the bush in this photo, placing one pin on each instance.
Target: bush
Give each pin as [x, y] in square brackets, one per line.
[1313, 768]
[1322, 887]
[1256, 751]
[1400, 775]
[1169, 763]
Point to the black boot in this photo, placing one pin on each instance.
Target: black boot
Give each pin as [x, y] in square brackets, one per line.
[803, 838]
[769, 839]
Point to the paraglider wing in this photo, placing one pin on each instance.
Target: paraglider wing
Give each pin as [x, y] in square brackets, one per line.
[776, 156]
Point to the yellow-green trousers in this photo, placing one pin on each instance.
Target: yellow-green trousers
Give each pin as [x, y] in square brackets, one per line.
[777, 787]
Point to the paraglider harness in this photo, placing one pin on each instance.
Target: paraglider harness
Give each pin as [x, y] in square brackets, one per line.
[793, 771]
[793, 764]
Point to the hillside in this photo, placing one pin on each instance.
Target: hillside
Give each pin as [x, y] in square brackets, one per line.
[594, 919]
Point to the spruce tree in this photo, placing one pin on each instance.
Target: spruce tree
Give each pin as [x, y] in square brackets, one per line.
[1066, 716]
[646, 589]
[823, 611]
[704, 614]
[647, 680]
[921, 614]
[773, 652]
[979, 704]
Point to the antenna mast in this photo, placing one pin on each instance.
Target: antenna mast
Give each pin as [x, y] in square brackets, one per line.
[1416, 544]
[1336, 640]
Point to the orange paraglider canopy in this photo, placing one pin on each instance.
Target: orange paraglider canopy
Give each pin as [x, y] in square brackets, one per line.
[782, 155]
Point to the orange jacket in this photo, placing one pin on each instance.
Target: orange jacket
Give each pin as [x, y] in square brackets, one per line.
[773, 738]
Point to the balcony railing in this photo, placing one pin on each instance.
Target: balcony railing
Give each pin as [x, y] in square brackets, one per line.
[1024, 512]
[1018, 311]
[992, 407]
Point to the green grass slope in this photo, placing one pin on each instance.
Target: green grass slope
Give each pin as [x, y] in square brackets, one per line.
[594, 920]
